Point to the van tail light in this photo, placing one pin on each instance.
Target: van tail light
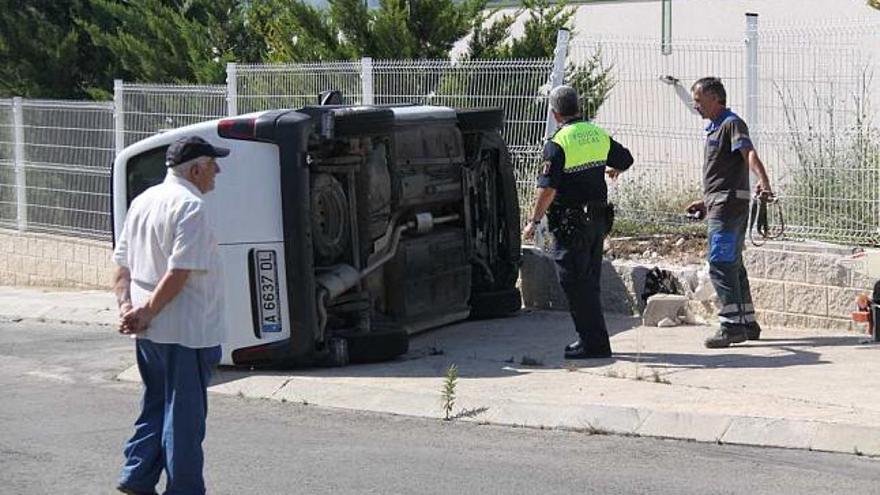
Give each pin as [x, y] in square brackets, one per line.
[238, 128]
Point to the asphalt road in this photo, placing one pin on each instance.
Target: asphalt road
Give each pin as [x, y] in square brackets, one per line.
[63, 419]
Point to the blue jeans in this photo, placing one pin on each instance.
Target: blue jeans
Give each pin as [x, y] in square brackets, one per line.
[169, 431]
[727, 271]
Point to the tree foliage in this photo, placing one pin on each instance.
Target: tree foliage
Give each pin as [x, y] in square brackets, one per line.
[75, 48]
[492, 39]
[41, 53]
[296, 31]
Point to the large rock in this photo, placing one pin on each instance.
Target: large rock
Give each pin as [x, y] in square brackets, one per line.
[664, 306]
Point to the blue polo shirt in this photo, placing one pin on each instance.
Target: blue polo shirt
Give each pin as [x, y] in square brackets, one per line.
[724, 168]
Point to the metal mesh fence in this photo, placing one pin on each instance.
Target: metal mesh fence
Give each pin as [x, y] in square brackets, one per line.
[815, 124]
[818, 129]
[7, 166]
[265, 87]
[512, 85]
[68, 152]
[649, 111]
[814, 127]
[152, 108]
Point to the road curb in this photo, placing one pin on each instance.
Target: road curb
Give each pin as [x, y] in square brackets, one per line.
[587, 418]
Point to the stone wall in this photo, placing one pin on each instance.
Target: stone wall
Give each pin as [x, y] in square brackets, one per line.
[795, 285]
[54, 261]
[805, 285]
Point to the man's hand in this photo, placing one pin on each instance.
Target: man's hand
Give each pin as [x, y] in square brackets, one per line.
[696, 209]
[124, 307]
[612, 173]
[135, 321]
[762, 190]
[529, 231]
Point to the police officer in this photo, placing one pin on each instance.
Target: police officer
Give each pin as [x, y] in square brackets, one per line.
[573, 194]
[729, 155]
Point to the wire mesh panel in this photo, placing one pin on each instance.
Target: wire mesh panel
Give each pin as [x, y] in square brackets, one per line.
[68, 153]
[266, 87]
[152, 108]
[513, 85]
[818, 132]
[7, 166]
[649, 111]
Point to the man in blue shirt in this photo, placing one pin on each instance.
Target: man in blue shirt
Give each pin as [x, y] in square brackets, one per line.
[729, 155]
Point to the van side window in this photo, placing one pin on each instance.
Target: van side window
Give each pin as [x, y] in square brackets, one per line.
[144, 171]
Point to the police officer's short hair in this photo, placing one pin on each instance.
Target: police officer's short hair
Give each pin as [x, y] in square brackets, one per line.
[564, 101]
[711, 85]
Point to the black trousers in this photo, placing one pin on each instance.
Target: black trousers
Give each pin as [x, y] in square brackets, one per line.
[580, 271]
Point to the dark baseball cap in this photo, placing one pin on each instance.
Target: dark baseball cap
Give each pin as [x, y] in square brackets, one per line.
[189, 148]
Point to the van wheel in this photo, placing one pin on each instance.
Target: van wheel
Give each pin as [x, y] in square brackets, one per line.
[330, 220]
[495, 304]
[374, 347]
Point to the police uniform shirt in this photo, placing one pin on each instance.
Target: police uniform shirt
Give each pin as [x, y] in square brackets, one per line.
[725, 171]
[584, 182]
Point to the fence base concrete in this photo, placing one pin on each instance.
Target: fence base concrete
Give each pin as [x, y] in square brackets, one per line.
[30, 259]
[794, 285]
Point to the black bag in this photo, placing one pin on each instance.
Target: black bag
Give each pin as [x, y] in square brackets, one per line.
[659, 281]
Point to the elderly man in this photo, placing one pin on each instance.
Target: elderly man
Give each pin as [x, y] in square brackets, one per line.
[169, 288]
[729, 156]
[573, 194]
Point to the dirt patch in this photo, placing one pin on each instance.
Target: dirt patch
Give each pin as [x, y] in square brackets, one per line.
[675, 249]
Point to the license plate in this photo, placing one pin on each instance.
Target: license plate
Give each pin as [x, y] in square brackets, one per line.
[266, 281]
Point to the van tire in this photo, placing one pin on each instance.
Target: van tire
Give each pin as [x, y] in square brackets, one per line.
[480, 119]
[495, 304]
[374, 347]
[362, 121]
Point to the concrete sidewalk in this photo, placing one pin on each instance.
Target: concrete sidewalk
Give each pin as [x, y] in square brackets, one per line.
[803, 389]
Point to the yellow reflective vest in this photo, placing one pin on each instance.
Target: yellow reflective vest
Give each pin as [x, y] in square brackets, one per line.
[585, 145]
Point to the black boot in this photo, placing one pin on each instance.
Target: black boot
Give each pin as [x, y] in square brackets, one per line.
[753, 331]
[726, 335]
[576, 350]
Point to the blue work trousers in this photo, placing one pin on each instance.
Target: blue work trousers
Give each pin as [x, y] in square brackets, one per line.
[727, 271]
[169, 431]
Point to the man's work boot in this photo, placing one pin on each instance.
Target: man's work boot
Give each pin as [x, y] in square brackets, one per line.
[726, 335]
[753, 331]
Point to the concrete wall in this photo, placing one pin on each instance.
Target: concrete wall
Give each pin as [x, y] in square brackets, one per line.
[794, 285]
[28, 259]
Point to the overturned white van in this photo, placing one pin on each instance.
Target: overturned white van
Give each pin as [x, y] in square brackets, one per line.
[344, 229]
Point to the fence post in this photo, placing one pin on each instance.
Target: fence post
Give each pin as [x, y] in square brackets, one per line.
[231, 89]
[118, 116]
[18, 163]
[752, 72]
[367, 81]
[557, 77]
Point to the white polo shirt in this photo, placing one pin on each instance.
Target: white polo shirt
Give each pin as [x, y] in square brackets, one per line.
[167, 228]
